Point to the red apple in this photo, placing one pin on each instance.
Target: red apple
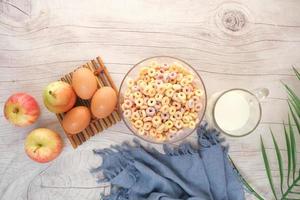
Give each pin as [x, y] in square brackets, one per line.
[21, 109]
[43, 145]
[59, 97]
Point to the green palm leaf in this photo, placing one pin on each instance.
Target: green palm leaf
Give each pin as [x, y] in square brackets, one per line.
[293, 148]
[296, 72]
[289, 154]
[279, 160]
[293, 99]
[294, 118]
[267, 167]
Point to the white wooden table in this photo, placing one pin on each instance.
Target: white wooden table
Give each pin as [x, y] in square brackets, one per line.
[247, 44]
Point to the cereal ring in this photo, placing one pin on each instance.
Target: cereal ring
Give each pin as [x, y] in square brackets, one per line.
[156, 120]
[182, 96]
[173, 68]
[160, 129]
[142, 84]
[196, 99]
[135, 88]
[190, 104]
[185, 125]
[135, 115]
[186, 89]
[151, 72]
[182, 110]
[152, 132]
[152, 92]
[150, 111]
[172, 110]
[186, 119]
[160, 76]
[161, 70]
[144, 71]
[158, 97]
[127, 113]
[184, 82]
[178, 115]
[166, 77]
[143, 107]
[164, 109]
[158, 105]
[189, 78]
[133, 108]
[142, 113]
[147, 126]
[161, 89]
[139, 102]
[176, 104]
[173, 75]
[165, 116]
[178, 124]
[165, 101]
[130, 82]
[193, 115]
[160, 137]
[128, 103]
[141, 131]
[179, 77]
[146, 79]
[169, 92]
[168, 86]
[159, 83]
[176, 87]
[151, 102]
[138, 123]
[131, 97]
[173, 118]
[192, 124]
[198, 107]
[169, 124]
[189, 95]
[147, 119]
[173, 130]
[199, 92]
[173, 81]
[137, 94]
[152, 85]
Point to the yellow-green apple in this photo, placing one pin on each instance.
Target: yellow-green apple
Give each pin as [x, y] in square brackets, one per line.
[21, 109]
[59, 97]
[43, 145]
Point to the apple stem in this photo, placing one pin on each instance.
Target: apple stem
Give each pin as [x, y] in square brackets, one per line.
[37, 148]
[51, 93]
[16, 110]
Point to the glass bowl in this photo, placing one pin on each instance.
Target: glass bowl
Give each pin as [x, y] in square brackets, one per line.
[161, 60]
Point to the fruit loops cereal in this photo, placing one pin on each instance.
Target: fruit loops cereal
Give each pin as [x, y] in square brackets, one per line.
[162, 101]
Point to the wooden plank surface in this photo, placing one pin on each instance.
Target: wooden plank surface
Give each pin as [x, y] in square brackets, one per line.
[247, 44]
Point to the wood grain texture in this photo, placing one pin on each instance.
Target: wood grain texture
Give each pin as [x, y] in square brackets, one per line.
[247, 44]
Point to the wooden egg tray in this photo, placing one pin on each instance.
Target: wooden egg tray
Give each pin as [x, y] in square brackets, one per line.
[96, 125]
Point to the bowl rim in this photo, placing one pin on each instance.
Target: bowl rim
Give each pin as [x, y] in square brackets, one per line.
[168, 141]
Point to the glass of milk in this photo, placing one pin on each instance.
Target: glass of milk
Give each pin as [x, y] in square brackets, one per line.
[236, 112]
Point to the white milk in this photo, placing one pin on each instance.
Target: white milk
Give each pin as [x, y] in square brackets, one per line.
[232, 111]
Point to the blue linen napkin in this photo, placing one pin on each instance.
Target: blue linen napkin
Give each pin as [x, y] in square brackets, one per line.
[185, 172]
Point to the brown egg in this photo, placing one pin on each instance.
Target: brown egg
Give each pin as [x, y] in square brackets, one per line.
[103, 102]
[84, 83]
[76, 120]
